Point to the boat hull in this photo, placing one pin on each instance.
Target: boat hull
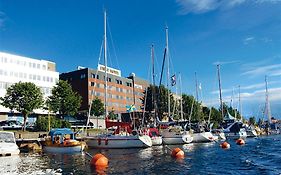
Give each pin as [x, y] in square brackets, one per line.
[119, 141]
[172, 138]
[239, 135]
[203, 137]
[156, 141]
[61, 149]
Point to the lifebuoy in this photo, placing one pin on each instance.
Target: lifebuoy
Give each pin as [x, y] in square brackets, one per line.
[99, 141]
[106, 141]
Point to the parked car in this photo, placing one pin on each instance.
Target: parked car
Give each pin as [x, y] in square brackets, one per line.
[10, 124]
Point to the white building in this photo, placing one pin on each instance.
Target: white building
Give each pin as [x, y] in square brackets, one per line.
[14, 68]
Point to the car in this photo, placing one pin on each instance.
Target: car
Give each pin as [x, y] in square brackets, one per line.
[10, 124]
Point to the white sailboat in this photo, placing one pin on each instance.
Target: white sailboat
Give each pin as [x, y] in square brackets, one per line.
[120, 139]
[173, 134]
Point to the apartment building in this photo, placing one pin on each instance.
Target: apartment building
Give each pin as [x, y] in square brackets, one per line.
[90, 83]
[15, 68]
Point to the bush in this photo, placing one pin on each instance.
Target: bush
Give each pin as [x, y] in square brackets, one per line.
[42, 123]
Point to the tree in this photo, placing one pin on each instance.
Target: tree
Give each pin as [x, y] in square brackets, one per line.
[252, 120]
[192, 107]
[23, 97]
[97, 107]
[64, 100]
[161, 95]
[42, 123]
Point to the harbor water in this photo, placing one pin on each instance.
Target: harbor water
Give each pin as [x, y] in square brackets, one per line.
[258, 156]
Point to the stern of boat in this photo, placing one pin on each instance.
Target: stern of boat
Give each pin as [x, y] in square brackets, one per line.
[146, 140]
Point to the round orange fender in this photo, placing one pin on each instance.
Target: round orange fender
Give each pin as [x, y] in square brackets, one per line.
[240, 142]
[225, 145]
[99, 160]
[177, 153]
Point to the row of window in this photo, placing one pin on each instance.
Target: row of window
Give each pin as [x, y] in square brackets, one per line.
[44, 90]
[98, 85]
[112, 96]
[96, 76]
[4, 59]
[28, 76]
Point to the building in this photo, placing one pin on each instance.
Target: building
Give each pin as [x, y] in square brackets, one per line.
[89, 83]
[14, 68]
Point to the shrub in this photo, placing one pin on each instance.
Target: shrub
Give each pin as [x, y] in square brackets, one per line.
[42, 123]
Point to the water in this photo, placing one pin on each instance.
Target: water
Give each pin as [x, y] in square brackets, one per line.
[259, 156]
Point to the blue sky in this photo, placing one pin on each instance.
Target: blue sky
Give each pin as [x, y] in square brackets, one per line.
[242, 35]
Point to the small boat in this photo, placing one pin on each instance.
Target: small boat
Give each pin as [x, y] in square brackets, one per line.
[202, 137]
[122, 137]
[175, 136]
[156, 138]
[8, 144]
[62, 140]
[235, 131]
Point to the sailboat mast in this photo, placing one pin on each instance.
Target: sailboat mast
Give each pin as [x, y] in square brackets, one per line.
[168, 71]
[153, 82]
[181, 96]
[240, 105]
[218, 67]
[105, 64]
[196, 86]
[267, 102]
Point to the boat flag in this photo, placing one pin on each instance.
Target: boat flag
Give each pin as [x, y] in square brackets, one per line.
[200, 86]
[130, 108]
[173, 80]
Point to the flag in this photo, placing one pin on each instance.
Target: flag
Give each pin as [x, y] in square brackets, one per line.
[173, 80]
[130, 108]
[200, 87]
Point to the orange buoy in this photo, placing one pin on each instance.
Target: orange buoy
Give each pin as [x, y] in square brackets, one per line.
[240, 142]
[225, 145]
[177, 153]
[99, 160]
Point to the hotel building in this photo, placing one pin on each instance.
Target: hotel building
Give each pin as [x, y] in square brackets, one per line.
[89, 83]
[14, 68]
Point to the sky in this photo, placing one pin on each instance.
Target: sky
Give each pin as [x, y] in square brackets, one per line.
[243, 36]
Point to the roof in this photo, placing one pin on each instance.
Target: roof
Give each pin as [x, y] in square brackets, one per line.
[60, 131]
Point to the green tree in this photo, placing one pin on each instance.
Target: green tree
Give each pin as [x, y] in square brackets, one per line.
[111, 115]
[193, 108]
[64, 100]
[42, 123]
[161, 95]
[252, 120]
[23, 97]
[97, 107]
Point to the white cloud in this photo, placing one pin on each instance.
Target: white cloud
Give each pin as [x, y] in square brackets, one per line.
[271, 70]
[203, 6]
[248, 40]
[225, 62]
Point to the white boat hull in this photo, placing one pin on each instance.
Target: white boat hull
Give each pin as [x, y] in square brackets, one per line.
[119, 141]
[173, 138]
[232, 135]
[156, 140]
[251, 133]
[70, 149]
[203, 137]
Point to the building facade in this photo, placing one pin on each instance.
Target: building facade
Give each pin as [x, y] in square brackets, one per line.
[14, 68]
[121, 91]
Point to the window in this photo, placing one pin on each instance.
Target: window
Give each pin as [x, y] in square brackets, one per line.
[82, 76]
[93, 75]
[98, 77]
[92, 83]
[44, 67]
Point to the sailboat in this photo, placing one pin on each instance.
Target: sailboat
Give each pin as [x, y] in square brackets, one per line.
[232, 128]
[123, 136]
[172, 134]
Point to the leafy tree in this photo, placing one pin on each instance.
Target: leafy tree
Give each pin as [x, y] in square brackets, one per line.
[111, 115]
[193, 108]
[97, 107]
[23, 97]
[63, 99]
[161, 99]
[42, 123]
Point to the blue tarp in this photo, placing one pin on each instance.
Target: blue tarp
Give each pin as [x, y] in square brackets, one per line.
[60, 131]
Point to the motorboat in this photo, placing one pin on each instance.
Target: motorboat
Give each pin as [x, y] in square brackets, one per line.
[155, 136]
[200, 134]
[235, 131]
[62, 140]
[8, 144]
[176, 135]
[122, 137]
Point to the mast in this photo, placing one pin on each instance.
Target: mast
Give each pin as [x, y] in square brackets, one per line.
[218, 68]
[105, 64]
[267, 105]
[153, 82]
[196, 86]
[240, 105]
[181, 96]
[168, 71]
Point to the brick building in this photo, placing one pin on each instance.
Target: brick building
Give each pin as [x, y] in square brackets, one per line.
[90, 83]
